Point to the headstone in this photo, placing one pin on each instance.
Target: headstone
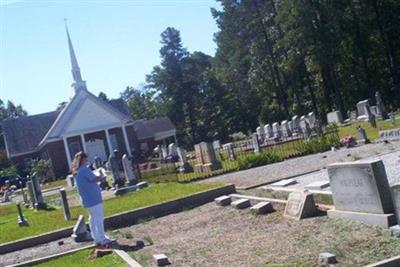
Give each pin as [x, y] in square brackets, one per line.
[70, 180]
[395, 190]
[276, 128]
[395, 230]
[161, 259]
[223, 200]
[362, 137]
[185, 166]
[97, 162]
[326, 258]
[262, 208]
[216, 144]
[296, 124]
[311, 119]
[118, 181]
[229, 147]
[290, 124]
[363, 110]
[172, 150]
[393, 134]
[37, 193]
[305, 127]
[392, 119]
[241, 203]
[30, 193]
[374, 111]
[300, 205]
[317, 185]
[372, 120]
[256, 144]
[360, 191]
[381, 106]
[285, 129]
[80, 231]
[128, 170]
[353, 115]
[206, 158]
[334, 117]
[164, 152]
[261, 133]
[268, 131]
[64, 203]
[21, 219]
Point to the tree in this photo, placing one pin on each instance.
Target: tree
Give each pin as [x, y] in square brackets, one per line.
[103, 96]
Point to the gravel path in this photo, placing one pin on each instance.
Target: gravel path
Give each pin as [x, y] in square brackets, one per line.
[301, 165]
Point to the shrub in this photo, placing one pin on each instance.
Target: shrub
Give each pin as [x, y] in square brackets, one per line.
[8, 171]
[318, 144]
[42, 168]
[254, 160]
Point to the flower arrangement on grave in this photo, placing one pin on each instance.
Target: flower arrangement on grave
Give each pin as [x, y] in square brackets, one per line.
[348, 141]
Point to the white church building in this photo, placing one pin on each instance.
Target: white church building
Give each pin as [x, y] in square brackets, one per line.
[85, 123]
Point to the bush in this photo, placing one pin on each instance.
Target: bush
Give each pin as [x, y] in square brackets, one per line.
[318, 144]
[254, 160]
[42, 168]
[8, 171]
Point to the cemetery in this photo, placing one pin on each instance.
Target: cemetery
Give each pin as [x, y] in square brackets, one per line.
[265, 154]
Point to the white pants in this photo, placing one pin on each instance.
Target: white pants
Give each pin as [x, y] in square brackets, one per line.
[96, 223]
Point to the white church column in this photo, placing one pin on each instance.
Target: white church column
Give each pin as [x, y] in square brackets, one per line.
[110, 149]
[83, 143]
[127, 146]
[68, 154]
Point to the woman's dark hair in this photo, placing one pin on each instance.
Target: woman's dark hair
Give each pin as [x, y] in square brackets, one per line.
[77, 162]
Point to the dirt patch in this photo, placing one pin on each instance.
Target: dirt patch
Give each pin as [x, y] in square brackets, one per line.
[221, 236]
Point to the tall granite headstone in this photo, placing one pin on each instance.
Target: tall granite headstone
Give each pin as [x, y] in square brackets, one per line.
[37, 193]
[128, 170]
[118, 180]
[256, 144]
[268, 131]
[360, 191]
[206, 158]
[276, 128]
[381, 106]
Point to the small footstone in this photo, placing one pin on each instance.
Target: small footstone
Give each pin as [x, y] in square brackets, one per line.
[139, 244]
[223, 200]
[161, 259]
[326, 258]
[395, 230]
[241, 203]
[285, 182]
[142, 185]
[262, 208]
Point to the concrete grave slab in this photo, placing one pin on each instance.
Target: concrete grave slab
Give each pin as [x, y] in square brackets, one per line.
[300, 205]
[223, 200]
[285, 182]
[318, 185]
[241, 203]
[262, 208]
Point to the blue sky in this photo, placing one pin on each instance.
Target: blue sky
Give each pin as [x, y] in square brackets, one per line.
[117, 43]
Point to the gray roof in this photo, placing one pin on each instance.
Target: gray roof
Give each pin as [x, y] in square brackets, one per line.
[23, 134]
[148, 128]
[119, 105]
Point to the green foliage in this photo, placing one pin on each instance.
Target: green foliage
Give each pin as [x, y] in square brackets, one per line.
[238, 136]
[318, 144]
[252, 160]
[11, 170]
[41, 167]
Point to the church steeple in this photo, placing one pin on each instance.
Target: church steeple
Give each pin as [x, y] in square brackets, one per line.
[78, 84]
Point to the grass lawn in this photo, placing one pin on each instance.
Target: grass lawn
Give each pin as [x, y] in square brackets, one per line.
[372, 133]
[49, 220]
[56, 183]
[79, 258]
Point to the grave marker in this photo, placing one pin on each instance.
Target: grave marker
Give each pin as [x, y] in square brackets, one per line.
[80, 232]
[334, 117]
[393, 134]
[268, 131]
[64, 203]
[360, 191]
[256, 144]
[128, 170]
[300, 205]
